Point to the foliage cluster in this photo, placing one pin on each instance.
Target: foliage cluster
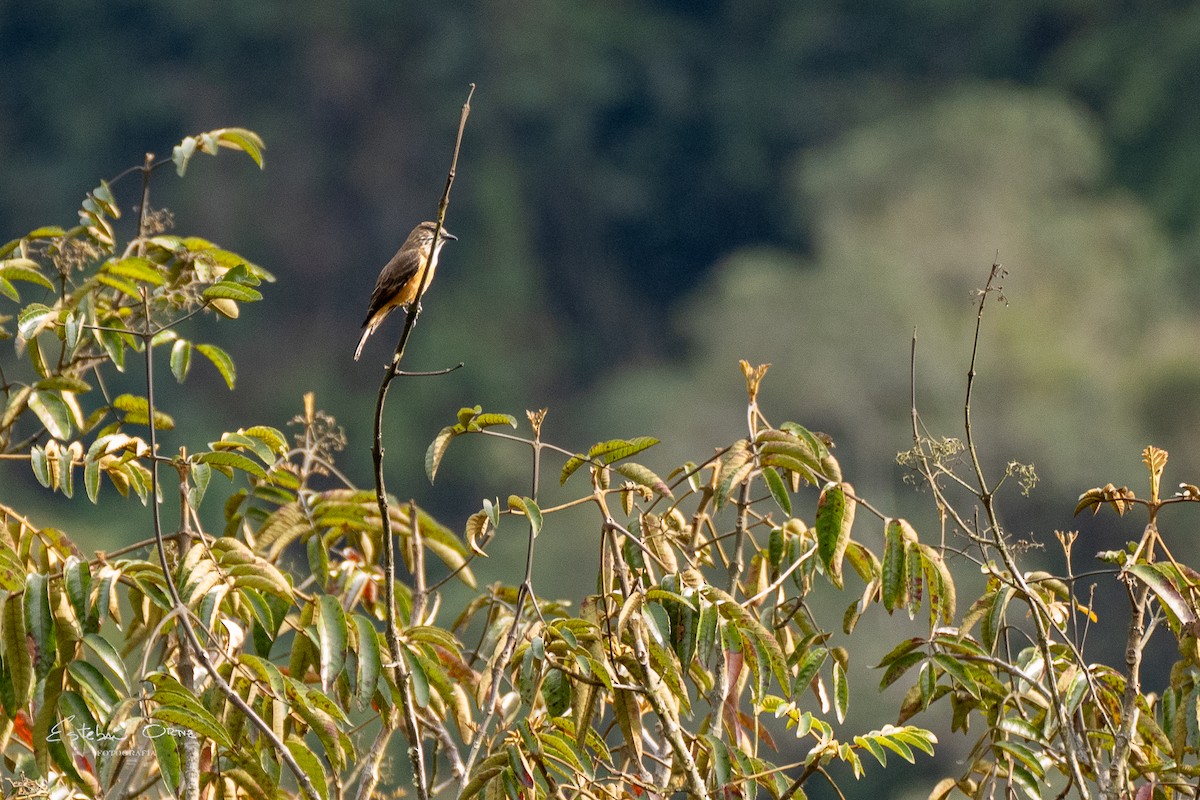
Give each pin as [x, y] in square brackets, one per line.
[265, 659]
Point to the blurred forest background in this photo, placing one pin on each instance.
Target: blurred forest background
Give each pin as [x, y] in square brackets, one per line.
[649, 191]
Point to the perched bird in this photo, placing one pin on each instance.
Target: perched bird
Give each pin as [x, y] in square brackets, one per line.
[401, 279]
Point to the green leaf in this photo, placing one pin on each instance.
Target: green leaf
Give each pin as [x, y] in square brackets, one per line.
[809, 667]
[333, 636]
[897, 534]
[420, 680]
[841, 691]
[309, 764]
[835, 517]
[228, 459]
[492, 419]
[247, 141]
[111, 658]
[240, 441]
[73, 328]
[41, 465]
[530, 509]
[604, 453]
[35, 318]
[1021, 727]
[137, 412]
[169, 693]
[898, 666]
[221, 360]
[181, 359]
[639, 474]
[750, 625]
[370, 662]
[706, 636]
[24, 269]
[955, 669]
[167, 753]
[1024, 779]
[618, 449]
[1022, 755]
[120, 284]
[136, 268]
[114, 344]
[573, 464]
[228, 290]
[658, 625]
[897, 746]
[52, 412]
[942, 593]
[318, 561]
[39, 624]
[437, 449]
[736, 466]
[12, 571]
[993, 621]
[64, 383]
[778, 492]
[72, 704]
[18, 401]
[195, 718]
[871, 743]
[201, 474]
[273, 438]
[97, 688]
[38, 359]
[556, 692]
[722, 769]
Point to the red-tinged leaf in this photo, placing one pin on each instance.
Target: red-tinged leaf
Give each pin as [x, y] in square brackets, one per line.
[22, 728]
[1177, 606]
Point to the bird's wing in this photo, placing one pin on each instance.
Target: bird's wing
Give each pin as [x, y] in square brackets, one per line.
[392, 280]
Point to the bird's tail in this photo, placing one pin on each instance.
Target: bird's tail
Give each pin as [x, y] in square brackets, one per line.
[367, 331]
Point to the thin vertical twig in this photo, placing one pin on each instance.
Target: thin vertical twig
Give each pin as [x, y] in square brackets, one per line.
[986, 497]
[391, 621]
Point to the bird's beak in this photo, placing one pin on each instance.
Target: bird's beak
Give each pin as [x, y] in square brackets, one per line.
[447, 235]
